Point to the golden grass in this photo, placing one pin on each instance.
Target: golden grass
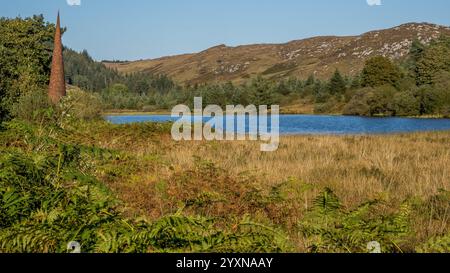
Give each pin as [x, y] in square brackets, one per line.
[358, 167]
[128, 112]
[159, 174]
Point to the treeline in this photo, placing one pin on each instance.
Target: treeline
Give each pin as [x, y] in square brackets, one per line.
[82, 71]
[419, 85]
[117, 91]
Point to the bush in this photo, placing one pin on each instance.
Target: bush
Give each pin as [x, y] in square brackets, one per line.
[81, 105]
[329, 227]
[359, 104]
[442, 85]
[436, 245]
[149, 108]
[372, 102]
[32, 106]
[406, 104]
[428, 98]
[326, 107]
[381, 104]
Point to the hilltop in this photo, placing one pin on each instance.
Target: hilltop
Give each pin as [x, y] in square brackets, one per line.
[300, 58]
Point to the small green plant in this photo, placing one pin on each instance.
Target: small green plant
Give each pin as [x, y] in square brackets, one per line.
[436, 245]
[329, 227]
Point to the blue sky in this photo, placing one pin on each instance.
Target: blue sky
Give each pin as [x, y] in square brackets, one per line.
[135, 29]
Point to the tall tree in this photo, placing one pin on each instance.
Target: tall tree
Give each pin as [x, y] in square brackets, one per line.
[417, 48]
[434, 59]
[380, 71]
[25, 57]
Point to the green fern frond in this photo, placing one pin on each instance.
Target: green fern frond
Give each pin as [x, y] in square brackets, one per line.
[327, 202]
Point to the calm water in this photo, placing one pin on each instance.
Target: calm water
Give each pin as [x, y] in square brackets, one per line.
[309, 124]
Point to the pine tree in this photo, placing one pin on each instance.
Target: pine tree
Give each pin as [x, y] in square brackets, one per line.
[337, 83]
[310, 81]
[261, 92]
[417, 48]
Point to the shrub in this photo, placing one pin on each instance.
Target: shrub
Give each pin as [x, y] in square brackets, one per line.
[428, 98]
[359, 104]
[406, 104]
[149, 108]
[381, 103]
[436, 245]
[24, 58]
[442, 85]
[33, 106]
[329, 227]
[372, 102]
[81, 105]
[326, 107]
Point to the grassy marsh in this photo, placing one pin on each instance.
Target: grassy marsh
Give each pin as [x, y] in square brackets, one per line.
[388, 168]
[315, 194]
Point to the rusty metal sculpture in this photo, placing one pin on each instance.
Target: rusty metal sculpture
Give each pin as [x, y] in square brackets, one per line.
[57, 86]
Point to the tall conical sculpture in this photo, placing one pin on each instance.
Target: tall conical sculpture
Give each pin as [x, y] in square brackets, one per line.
[57, 86]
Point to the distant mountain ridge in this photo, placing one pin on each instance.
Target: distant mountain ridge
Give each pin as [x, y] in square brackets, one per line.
[319, 56]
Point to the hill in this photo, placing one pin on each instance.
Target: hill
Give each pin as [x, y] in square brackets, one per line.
[318, 56]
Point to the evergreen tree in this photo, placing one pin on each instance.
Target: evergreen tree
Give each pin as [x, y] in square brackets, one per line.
[355, 82]
[310, 81]
[337, 83]
[282, 88]
[416, 51]
[261, 92]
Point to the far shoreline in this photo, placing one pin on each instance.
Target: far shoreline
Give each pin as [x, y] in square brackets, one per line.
[134, 113]
[168, 113]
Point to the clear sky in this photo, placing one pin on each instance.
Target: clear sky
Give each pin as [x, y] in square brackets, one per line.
[135, 29]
